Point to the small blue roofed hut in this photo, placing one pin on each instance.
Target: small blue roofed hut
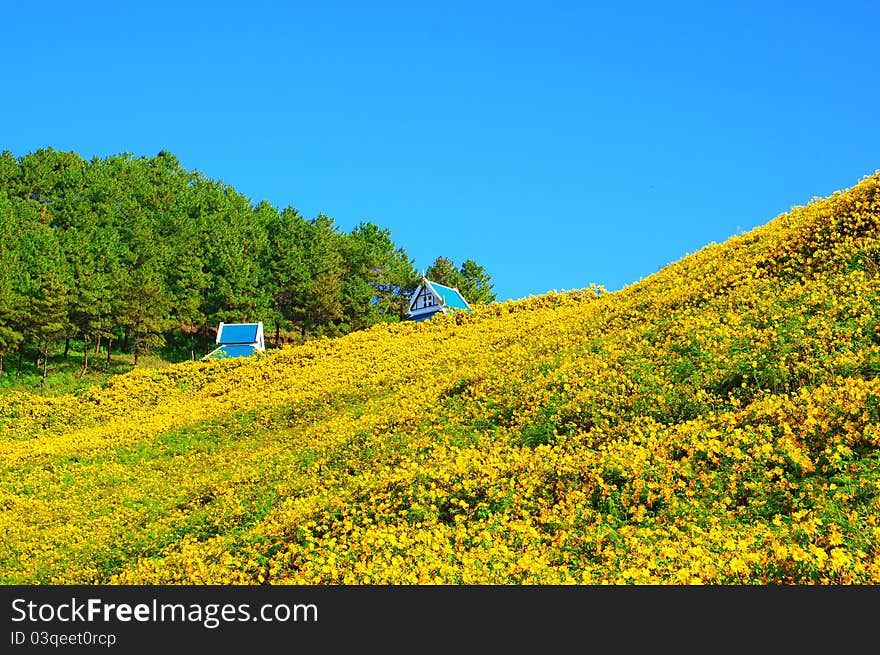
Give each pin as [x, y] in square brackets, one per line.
[238, 340]
[433, 298]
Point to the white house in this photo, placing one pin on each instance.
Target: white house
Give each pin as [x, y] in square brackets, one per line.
[238, 340]
[434, 298]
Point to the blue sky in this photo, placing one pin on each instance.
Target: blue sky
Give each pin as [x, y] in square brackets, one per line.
[557, 144]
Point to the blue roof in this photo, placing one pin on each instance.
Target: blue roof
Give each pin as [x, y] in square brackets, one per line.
[233, 351]
[238, 333]
[452, 298]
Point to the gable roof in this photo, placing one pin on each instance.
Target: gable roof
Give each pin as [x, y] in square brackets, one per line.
[230, 333]
[449, 296]
[444, 299]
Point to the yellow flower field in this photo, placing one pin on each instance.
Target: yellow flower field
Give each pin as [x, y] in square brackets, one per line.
[715, 423]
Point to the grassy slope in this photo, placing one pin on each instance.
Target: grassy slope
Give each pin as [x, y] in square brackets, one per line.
[64, 374]
[716, 422]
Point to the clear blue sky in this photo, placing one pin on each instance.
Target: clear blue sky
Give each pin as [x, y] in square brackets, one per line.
[557, 144]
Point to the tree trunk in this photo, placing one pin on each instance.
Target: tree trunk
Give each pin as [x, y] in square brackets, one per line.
[277, 332]
[137, 343]
[125, 340]
[66, 347]
[109, 346]
[85, 357]
[1, 365]
[45, 363]
[20, 359]
[98, 345]
[192, 348]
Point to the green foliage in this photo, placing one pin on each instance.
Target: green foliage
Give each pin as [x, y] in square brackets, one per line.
[63, 375]
[379, 276]
[140, 254]
[471, 279]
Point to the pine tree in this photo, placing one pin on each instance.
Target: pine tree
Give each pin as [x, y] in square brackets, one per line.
[471, 279]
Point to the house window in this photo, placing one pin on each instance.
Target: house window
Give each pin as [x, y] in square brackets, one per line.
[429, 300]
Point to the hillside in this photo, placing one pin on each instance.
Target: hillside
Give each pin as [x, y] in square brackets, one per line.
[717, 422]
[140, 256]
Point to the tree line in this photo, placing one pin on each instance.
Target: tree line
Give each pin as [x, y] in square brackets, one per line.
[140, 253]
